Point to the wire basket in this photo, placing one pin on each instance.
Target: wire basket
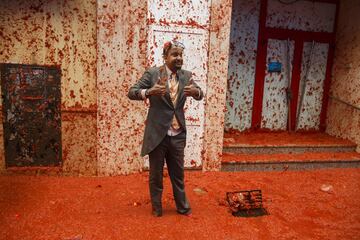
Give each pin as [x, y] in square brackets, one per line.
[246, 203]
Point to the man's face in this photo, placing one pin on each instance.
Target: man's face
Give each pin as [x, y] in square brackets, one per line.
[174, 58]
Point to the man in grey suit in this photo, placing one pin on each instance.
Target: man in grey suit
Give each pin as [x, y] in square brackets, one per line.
[166, 88]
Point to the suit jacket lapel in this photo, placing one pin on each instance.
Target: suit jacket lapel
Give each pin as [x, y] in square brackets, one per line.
[181, 80]
[164, 80]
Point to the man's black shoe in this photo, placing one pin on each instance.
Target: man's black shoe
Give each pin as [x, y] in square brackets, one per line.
[188, 213]
[157, 213]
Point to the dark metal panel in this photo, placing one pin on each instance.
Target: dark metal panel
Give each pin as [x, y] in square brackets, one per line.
[31, 115]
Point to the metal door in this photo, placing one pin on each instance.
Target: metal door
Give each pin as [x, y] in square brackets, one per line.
[278, 86]
[311, 89]
[31, 115]
[169, 20]
[275, 112]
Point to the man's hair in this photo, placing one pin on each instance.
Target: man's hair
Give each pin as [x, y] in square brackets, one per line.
[171, 44]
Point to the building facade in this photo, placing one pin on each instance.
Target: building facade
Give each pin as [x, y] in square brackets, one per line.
[102, 47]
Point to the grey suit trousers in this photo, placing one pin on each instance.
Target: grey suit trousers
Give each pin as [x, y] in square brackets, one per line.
[171, 150]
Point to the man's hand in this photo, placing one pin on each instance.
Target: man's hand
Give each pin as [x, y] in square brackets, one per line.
[157, 90]
[191, 91]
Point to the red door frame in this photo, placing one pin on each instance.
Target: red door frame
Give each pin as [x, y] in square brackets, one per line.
[265, 33]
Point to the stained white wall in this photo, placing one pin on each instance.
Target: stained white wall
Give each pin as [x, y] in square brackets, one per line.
[301, 15]
[242, 63]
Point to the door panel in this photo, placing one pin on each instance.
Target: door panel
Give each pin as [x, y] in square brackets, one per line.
[313, 70]
[275, 105]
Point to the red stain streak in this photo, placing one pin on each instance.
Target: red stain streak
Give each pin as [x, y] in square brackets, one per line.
[130, 36]
[193, 119]
[26, 18]
[72, 95]
[77, 107]
[189, 22]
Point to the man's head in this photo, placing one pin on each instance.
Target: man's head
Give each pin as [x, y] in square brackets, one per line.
[173, 55]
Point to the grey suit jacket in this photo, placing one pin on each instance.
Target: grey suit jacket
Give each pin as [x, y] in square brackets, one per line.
[161, 109]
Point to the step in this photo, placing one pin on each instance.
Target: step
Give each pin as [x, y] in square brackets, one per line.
[287, 149]
[294, 161]
[284, 142]
[283, 138]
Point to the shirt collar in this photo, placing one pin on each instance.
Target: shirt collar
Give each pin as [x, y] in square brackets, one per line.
[168, 71]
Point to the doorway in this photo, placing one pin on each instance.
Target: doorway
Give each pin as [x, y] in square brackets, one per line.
[280, 65]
